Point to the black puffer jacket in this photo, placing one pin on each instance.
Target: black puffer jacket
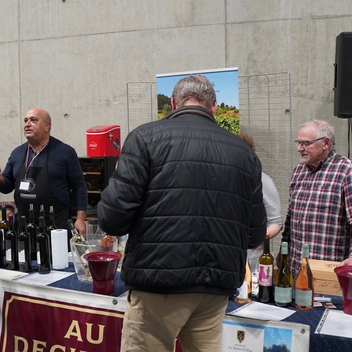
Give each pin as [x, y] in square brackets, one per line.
[189, 194]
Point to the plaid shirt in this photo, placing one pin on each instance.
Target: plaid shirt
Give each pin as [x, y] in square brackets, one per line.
[320, 210]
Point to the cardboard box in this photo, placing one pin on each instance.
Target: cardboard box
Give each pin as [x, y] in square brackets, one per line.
[103, 141]
[325, 279]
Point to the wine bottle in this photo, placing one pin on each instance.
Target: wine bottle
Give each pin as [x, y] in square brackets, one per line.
[4, 226]
[78, 249]
[32, 231]
[43, 249]
[266, 269]
[24, 248]
[283, 282]
[245, 291]
[50, 227]
[107, 243]
[304, 283]
[285, 238]
[16, 221]
[11, 246]
[42, 213]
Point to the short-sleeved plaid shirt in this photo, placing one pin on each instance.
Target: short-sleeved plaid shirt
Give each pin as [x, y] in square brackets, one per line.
[320, 210]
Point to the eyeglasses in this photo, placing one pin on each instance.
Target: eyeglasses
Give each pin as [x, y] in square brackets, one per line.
[307, 143]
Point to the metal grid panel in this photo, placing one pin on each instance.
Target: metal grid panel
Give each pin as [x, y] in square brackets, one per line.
[141, 103]
[265, 114]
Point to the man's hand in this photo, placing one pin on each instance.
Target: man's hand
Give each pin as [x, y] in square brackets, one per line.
[2, 180]
[346, 262]
[79, 224]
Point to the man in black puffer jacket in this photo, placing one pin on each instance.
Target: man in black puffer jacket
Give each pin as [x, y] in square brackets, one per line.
[189, 195]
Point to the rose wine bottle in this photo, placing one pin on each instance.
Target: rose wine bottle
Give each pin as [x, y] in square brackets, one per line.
[304, 283]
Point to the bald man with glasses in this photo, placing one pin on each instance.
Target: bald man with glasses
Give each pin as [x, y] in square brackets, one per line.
[320, 204]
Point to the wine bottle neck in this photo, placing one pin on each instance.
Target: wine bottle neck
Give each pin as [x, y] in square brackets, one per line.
[267, 245]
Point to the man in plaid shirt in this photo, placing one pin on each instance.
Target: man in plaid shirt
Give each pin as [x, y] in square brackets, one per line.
[320, 205]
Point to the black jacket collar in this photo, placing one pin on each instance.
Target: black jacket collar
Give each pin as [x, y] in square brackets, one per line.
[190, 109]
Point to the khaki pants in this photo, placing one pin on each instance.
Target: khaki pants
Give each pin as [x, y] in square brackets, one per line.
[153, 321]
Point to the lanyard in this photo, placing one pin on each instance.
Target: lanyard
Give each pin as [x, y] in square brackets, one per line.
[27, 166]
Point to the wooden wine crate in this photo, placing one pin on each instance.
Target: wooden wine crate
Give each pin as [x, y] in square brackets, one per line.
[325, 279]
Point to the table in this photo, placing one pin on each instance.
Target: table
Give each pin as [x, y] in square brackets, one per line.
[312, 318]
[71, 295]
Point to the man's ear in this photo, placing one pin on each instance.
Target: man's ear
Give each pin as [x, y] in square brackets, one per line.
[173, 104]
[213, 108]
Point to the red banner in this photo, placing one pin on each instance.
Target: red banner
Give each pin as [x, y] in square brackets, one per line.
[36, 324]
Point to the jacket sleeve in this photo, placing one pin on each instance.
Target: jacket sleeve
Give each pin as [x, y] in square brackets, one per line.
[76, 180]
[122, 199]
[258, 218]
[11, 170]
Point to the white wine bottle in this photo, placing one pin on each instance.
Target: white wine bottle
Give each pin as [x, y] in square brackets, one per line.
[245, 291]
[304, 283]
[79, 247]
[283, 282]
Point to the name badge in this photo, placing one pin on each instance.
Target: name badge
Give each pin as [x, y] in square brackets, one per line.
[24, 185]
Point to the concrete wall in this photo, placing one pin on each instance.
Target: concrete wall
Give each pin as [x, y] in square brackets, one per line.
[75, 58]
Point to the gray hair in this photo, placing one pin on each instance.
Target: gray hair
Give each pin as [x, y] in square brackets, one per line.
[195, 87]
[323, 129]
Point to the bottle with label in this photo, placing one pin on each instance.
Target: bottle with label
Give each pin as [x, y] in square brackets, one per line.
[4, 226]
[245, 291]
[43, 249]
[304, 283]
[265, 276]
[11, 246]
[32, 231]
[283, 282]
[79, 247]
[24, 248]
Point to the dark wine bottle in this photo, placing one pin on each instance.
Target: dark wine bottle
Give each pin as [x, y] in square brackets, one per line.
[42, 213]
[284, 281]
[51, 225]
[11, 246]
[266, 269]
[16, 221]
[43, 248]
[4, 226]
[24, 248]
[32, 231]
